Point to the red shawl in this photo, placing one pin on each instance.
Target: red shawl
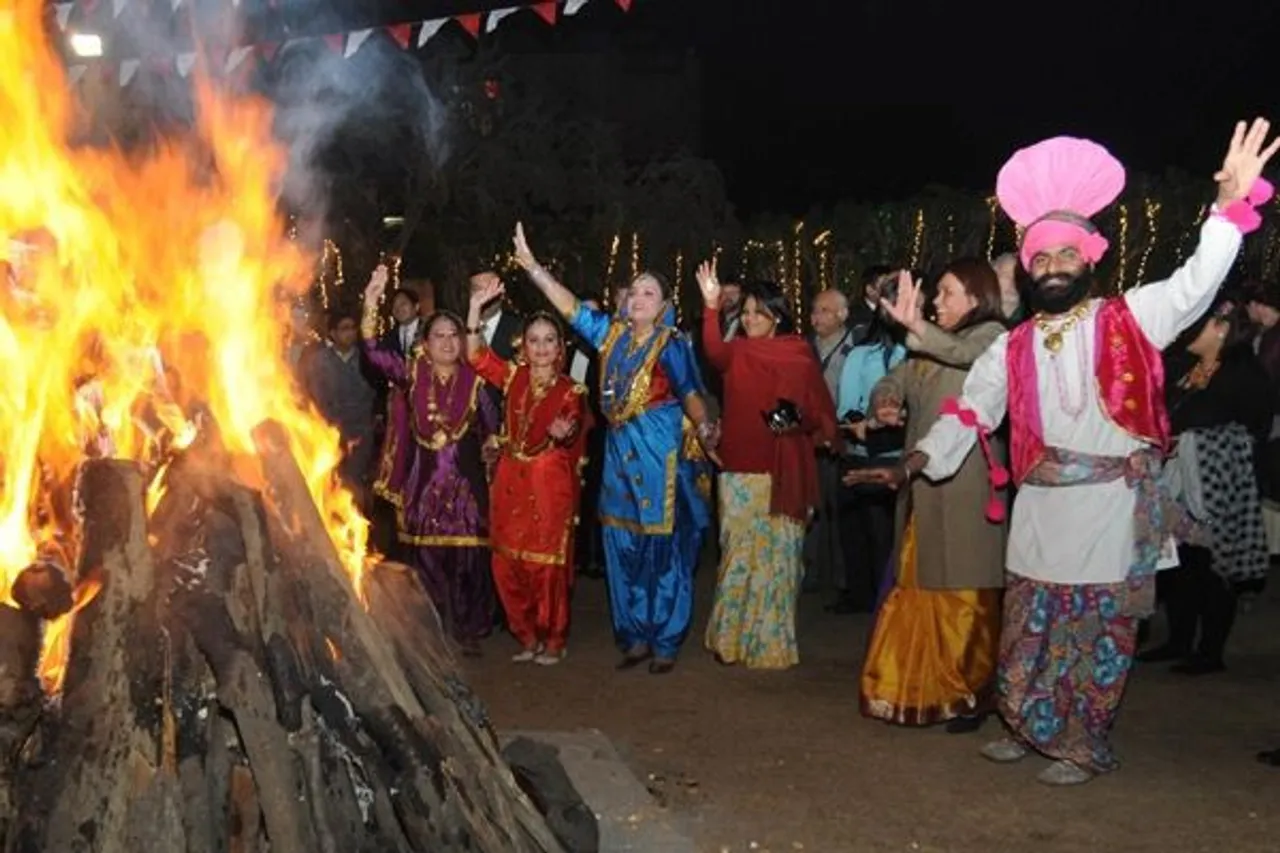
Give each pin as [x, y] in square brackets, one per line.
[788, 367]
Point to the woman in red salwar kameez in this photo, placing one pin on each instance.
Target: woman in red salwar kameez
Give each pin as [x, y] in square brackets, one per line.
[536, 486]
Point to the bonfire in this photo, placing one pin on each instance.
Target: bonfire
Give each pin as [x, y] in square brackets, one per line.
[196, 651]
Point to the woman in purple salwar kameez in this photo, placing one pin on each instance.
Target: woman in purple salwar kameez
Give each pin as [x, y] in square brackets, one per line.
[433, 470]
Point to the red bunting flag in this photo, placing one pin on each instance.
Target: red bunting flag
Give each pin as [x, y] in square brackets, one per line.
[335, 42]
[546, 11]
[269, 49]
[471, 23]
[624, 5]
[400, 34]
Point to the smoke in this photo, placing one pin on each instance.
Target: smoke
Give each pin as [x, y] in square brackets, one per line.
[353, 119]
[342, 119]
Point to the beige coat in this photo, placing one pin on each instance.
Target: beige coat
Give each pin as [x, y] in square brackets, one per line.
[956, 547]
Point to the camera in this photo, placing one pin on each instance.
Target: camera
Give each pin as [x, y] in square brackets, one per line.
[783, 417]
[853, 416]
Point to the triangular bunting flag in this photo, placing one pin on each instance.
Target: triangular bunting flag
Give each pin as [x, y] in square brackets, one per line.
[571, 7]
[184, 63]
[269, 49]
[471, 23]
[624, 5]
[335, 42]
[63, 13]
[354, 40]
[128, 68]
[495, 17]
[75, 72]
[400, 34]
[117, 6]
[546, 11]
[174, 4]
[237, 56]
[429, 29]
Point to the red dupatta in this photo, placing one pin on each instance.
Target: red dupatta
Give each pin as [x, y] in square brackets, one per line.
[788, 363]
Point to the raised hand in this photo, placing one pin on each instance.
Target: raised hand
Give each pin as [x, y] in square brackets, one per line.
[524, 255]
[709, 284]
[377, 285]
[907, 308]
[486, 287]
[1245, 160]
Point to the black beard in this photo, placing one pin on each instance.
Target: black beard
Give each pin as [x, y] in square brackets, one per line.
[1057, 294]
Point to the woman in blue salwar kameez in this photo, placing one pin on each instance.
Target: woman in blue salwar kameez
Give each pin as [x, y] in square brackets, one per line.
[653, 503]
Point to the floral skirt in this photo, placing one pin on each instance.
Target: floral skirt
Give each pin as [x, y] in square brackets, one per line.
[932, 655]
[1065, 656]
[753, 620]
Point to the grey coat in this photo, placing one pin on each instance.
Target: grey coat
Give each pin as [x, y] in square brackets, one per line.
[956, 547]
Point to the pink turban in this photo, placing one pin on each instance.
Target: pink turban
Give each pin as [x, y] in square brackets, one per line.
[1053, 187]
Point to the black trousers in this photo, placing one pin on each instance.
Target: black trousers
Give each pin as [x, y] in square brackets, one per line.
[1198, 599]
[866, 538]
[590, 544]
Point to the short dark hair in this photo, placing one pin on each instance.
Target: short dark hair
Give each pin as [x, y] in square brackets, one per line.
[874, 273]
[770, 297]
[979, 281]
[411, 295]
[335, 318]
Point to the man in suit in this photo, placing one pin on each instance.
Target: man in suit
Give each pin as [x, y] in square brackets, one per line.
[407, 328]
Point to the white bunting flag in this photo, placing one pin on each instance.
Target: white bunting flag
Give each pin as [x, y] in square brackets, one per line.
[117, 6]
[571, 7]
[429, 29]
[63, 12]
[496, 16]
[184, 63]
[354, 40]
[128, 68]
[237, 56]
[75, 72]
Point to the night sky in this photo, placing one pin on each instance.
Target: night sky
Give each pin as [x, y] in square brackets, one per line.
[807, 101]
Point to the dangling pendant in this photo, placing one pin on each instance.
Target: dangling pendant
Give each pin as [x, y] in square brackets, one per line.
[1053, 341]
[439, 439]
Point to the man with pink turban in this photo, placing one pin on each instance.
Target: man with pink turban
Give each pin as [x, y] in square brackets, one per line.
[1082, 384]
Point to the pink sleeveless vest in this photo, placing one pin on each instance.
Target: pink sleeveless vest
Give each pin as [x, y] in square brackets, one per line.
[1130, 377]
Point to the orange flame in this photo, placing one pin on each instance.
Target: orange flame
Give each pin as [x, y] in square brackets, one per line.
[136, 287]
[57, 639]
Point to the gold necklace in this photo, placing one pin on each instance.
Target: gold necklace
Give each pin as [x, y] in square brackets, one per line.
[1053, 335]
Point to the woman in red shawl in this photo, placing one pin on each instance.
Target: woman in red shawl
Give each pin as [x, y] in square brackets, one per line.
[777, 411]
[536, 486]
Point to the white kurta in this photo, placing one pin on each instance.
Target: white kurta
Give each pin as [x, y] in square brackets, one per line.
[1081, 534]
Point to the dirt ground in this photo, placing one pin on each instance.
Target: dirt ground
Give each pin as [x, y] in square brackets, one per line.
[776, 762]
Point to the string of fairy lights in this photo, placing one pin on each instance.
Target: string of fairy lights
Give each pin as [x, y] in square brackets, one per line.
[797, 262]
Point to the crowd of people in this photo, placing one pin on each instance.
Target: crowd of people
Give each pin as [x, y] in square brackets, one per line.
[1136, 431]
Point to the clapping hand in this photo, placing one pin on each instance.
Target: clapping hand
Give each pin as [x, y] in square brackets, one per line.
[377, 285]
[561, 428]
[1245, 160]
[524, 255]
[907, 308]
[709, 284]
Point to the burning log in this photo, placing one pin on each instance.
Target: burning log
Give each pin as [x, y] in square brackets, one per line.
[228, 691]
[104, 780]
[20, 697]
[44, 590]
